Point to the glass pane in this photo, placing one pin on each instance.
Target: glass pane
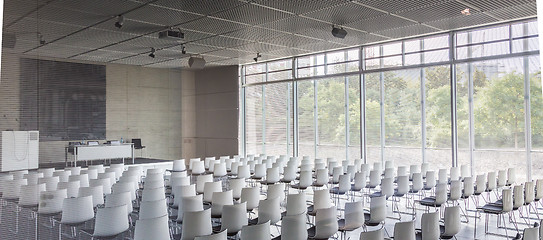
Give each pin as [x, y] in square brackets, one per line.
[412, 59]
[354, 117]
[353, 54]
[438, 117]
[412, 46]
[372, 51]
[306, 123]
[518, 29]
[436, 56]
[462, 113]
[392, 61]
[331, 118]
[403, 117]
[436, 42]
[280, 65]
[342, 67]
[310, 72]
[277, 113]
[490, 34]
[373, 117]
[392, 49]
[335, 57]
[311, 60]
[255, 68]
[253, 119]
[536, 100]
[255, 78]
[283, 75]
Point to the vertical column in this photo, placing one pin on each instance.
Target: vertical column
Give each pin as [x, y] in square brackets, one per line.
[423, 104]
[362, 95]
[382, 105]
[295, 106]
[454, 132]
[243, 115]
[346, 80]
[527, 108]
[471, 113]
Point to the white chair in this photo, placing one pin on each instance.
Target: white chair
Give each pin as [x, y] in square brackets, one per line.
[210, 188]
[502, 178]
[276, 191]
[104, 183]
[109, 175]
[438, 200]
[360, 179]
[73, 170]
[192, 161]
[153, 228]
[157, 170]
[404, 230]
[293, 227]
[378, 211]
[269, 210]
[71, 187]
[354, 217]
[76, 211]
[92, 173]
[506, 208]
[531, 233]
[296, 204]
[120, 199]
[375, 179]
[454, 174]
[389, 173]
[153, 209]
[97, 194]
[179, 165]
[244, 171]
[30, 195]
[442, 176]
[83, 179]
[217, 236]
[251, 196]
[373, 235]
[260, 231]
[51, 201]
[124, 187]
[179, 181]
[430, 226]
[12, 188]
[219, 170]
[321, 178]
[234, 217]
[47, 172]
[452, 222]
[198, 168]
[200, 182]
[99, 168]
[321, 200]
[153, 184]
[326, 224]
[62, 175]
[272, 176]
[190, 204]
[430, 181]
[260, 171]
[195, 224]
[110, 222]
[465, 171]
[218, 201]
[511, 176]
[18, 174]
[32, 178]
[180, 192]
[153, 194]
[306, 179]
[117, 171]
[51, 183]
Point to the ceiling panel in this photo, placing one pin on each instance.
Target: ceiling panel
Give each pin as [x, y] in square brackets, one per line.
[153, 41]
[211, 57]
[462, 21]
[173, 63]
[58, 14]
[356, 38]
[254, 33]
[344, 13]
[104, 8]
[258, 47]
[379, 23]
[296, 24]
[167, 53]
[291, 40]
[161, 16]
[201, 7]
[18, 9]
[322, 46]
[127, 48]
[108, 54]
[487, 5]
[193, 48]
[229, 53]
[412, 30]
[252, 14]
[514, 12]
[213, 25]
[191, 35]
[92, 58]
[28, 28]
[58, 50]
[131, 27]
[394, 6]
[230, 61]
[435, 11]
[140, 60]
[289, 52]
[300, 6]
[222, 41]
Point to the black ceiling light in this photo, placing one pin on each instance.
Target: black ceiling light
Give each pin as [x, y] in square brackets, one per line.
[257, 56]
[40, 38]
[152, 54]
[120, 21]
[338, 32]
[183, 50]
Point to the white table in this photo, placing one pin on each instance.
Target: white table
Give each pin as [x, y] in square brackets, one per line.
[101, 152]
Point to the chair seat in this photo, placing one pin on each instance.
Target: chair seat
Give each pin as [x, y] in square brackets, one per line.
[429, 201]
[285, 181]
[311, 211]
[342, 227]
[217, 229]
[297, 186]
[311, 232]
[353, 188]
[492, 208]
[442, 230]
[335, 190]
[317, 185]
[367, 221]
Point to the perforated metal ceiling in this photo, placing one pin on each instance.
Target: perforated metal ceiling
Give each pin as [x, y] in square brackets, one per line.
[227, 32]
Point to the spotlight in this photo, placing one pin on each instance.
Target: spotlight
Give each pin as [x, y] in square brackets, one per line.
[339, 32]
[257, 56]
[465, 12]
[183, 51]
[120, 21]
[41, 40]
[152, 54]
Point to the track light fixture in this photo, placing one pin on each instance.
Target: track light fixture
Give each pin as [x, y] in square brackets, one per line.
[40, 39]
[120, 21]
[152, 54]
[338, 32]
[183, 50]
[257, 56]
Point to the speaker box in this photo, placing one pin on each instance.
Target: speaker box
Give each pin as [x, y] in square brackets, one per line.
[196, 62]
[8, 40]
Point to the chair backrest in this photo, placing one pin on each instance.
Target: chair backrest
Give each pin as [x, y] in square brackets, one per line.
[413, 169]
[455, 190]
[531, 233]
[244, 171]
[365, 168]
[117, 171]
[179, 165]
[210, 188]
[430, 179]
[261, 231]
[198, 167]
[193, 160]
[74, 170]
[63, 175]
[441, 193]
[511, 176]
[424, 168]
[51, 201]
[234, 217]
[30, 194]
[331, 166]
[137, 143]
[465, 171]
[321, 177]
[321, 199]
[401, 171]
[77, 210]
[354, 215]
[306, 179]
[359, 180]
[442, 176]
[219, 200]
[195, 224]
[418, 184]
[480, 184]
[539, 189]
[189, 204]
[518, 196]
[276, 191]
[236, 184]
[153, 194]
[293, 227]
[468, 187]
[430, 226]
[97, 194]
[201, 180]
[344, 183]
[351, 170]
[110, 221]
[502, 178]
[491, 181]
[32, 177]
[92, 172]
[378, 210]
[375, 178]
[377, 166]
[326, 223]
[452, 221]
[182, 191]
[12, 188]
[454, 173]
[47, 172]
[82, 178]
[260, 170]
[272, 175]
[296, 204]
[404, 230]
[336, 172]
[507, 200]
[104, 183]
[403, 185]
[219, 170]
[71, 187]
[373, 235]
[251, 196]
[389, 164]
[153, 209]
[389, 173]
[153, 228]
[269, 210]
[109, 175]
[529, 192]
[387, 187]
[222, 235]
[124, 187]
[179, 181]
[120, 199]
